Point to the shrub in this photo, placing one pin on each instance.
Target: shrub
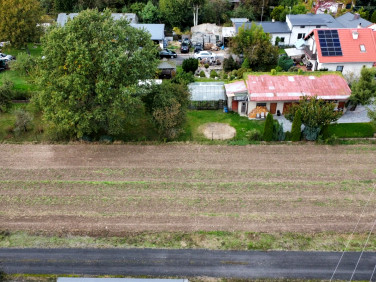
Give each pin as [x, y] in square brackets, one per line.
[332, 140]
[232, 77]
[24, 64]
[300, 71]
[288, 136]
[273, 72]
[278, 134]
[268, 129]
[229, 64]
[183, 77]
[296, 127]
[245, 64]
[254, 135]
[285, 62]
[23, 121]
[6, 94]
[190, 65]
[213, 74]
[278, 69]
[293, 69]
[224, 76]
[202, 74]
[206, 65]
[240, 72]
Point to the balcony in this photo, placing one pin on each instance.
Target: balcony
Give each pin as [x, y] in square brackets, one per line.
[309, 53]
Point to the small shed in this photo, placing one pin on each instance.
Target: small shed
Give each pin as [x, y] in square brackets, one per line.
[207, 95]
[167, 69]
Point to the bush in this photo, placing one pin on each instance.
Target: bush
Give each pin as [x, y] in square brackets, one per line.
[296, 127]
[245, 64]
[288, 136]
[224, 76]
[232, 77]
[190, 65]
[240, 72]
[206, 65]
[268, 129]
[300, 71]
[24, 64]
[273, 72]
[293, 69]
[332, 140]
[285, 63]
[229, 64]
[183, 77]
[213, 74]
[254, 135]
[202, 74]
[6, 94]
[278, 69]
[278, 134]
[23, 121]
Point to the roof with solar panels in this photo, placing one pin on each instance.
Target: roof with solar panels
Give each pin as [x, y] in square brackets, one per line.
[346, 45]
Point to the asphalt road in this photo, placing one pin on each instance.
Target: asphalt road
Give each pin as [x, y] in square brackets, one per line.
[187, 263]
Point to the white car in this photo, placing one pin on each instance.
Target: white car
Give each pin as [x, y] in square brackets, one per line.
[7, 57]
[205, 55]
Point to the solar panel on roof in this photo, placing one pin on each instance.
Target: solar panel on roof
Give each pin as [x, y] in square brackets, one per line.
[329, 43]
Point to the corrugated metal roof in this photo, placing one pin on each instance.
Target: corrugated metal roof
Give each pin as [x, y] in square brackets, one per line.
[207, 91]
[235, 87]
[239, 20]
[92, 279]
[291, 88]
[349, 20]
[156, 30]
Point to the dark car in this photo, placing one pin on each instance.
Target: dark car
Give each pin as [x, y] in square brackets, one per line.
[186, 41]
[167, 54]
[198, 47]
[184, 48]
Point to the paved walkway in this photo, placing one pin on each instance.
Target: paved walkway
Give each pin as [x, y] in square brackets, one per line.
[359, 115]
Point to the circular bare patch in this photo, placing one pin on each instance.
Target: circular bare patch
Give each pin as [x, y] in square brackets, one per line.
[217, 131]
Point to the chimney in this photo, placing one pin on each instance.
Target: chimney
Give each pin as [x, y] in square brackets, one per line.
[355, 34]
[356, 16]
[359, 25]
[273, 20]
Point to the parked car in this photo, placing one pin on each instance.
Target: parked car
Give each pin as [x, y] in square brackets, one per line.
[186, 41]
[6, 57]
[184, 48]
[3, 64]
[166, 53]
[198, 47]
[205, 55]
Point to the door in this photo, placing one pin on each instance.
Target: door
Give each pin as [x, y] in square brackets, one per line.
[234, 106]
[273, 108]
[286, 107]
[243, 107]
[341, 106]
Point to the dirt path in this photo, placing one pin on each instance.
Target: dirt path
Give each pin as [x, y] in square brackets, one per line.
[100, 189]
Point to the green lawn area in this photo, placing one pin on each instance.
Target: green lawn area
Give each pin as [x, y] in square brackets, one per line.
[197, 118]
[350, 130]
[35, 50]
[21, 83]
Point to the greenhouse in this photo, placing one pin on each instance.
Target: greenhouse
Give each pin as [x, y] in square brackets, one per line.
[207, 95]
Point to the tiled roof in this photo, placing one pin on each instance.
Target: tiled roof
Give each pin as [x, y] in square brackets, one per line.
[350, 20]
[351, 47]
[291, 88]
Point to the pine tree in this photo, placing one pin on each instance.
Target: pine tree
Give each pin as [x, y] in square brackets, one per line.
[268, 129]
[296, 127]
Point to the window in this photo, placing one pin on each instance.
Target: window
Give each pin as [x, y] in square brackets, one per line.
[318, 26]
[362, 48]
[261, 105]
[282, 39]
[301, 35]
[339, 68]
[302, 26]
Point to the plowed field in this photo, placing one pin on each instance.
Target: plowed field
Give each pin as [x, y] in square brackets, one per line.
[117, 189]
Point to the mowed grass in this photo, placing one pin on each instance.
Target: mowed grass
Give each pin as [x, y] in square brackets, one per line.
[214, 240]
[197, 118]
[351, 130]
[35, 50]
[21, 82]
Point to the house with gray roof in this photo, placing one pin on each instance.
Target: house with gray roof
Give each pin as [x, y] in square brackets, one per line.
[274, 28]
[156, 31]
[350, 20]
[302, 25]
[62, 18]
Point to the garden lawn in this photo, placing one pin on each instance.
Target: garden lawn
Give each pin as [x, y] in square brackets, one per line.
[351, 130]
[35, 50]
[21, 83]
[197, 118]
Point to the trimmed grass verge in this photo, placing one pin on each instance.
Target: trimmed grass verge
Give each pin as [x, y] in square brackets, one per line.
[350, 130]
[214, 240]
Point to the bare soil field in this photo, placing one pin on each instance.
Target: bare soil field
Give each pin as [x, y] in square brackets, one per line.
[117, 189]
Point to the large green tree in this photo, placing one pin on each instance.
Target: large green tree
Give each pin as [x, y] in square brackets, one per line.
[90, 74]
[18, 21]
[256, 46]
[363, 90]
[315, 114]
[175, 13]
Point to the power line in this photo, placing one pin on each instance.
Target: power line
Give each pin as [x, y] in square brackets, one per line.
[352, 234]
[361, 254]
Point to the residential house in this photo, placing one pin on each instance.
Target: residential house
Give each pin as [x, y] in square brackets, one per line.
[62, 18]
[346, 50]
[350, 20]
[301, 25]
[276, 93]
[274, 28]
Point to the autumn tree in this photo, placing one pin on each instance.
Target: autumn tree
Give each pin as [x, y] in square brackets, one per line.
[255, 45]
[18, 21]
[90, 74]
